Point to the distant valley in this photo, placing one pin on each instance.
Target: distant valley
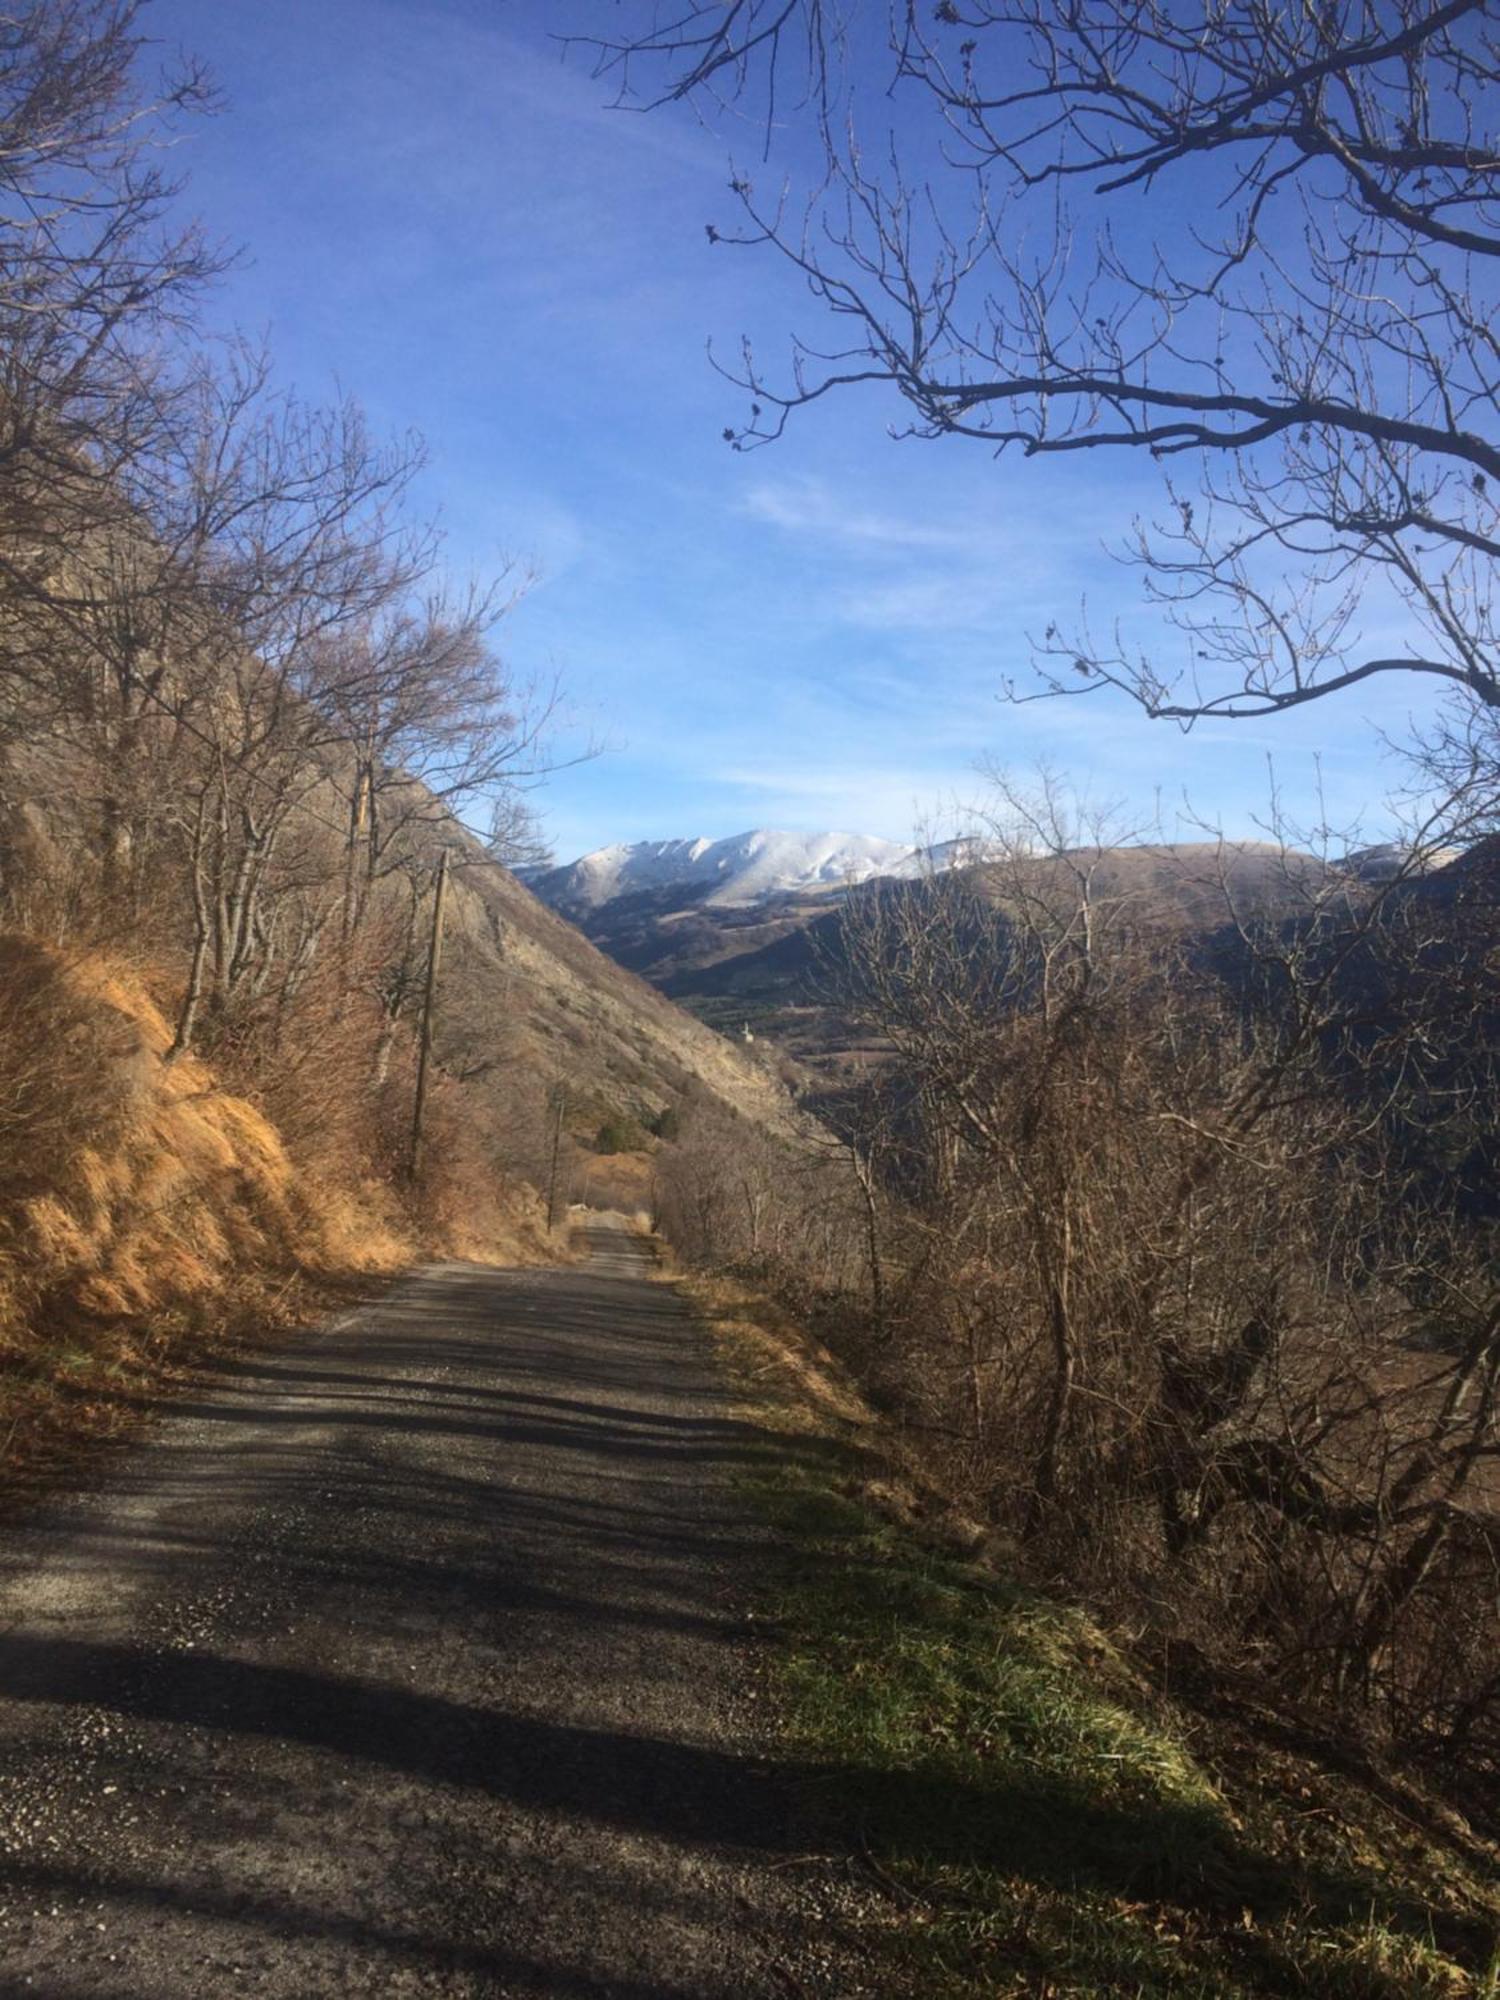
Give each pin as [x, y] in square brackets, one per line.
[744, 932]
[734, 930]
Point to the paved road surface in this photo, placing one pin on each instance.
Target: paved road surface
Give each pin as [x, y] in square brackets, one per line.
[407, 1660]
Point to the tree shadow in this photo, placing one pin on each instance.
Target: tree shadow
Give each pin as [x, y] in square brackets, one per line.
[1036, 1828]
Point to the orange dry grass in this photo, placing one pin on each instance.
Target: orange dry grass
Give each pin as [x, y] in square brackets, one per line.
[146, 1211]
[143, 1209]
[183, 1187]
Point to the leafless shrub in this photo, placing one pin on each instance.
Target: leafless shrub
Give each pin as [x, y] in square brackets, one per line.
[1170, 1246]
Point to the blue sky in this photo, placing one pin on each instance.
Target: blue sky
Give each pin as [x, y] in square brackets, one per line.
[446, 220]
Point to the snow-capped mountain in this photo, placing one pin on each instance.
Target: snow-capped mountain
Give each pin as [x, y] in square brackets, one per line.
[759, 866]
[744, 869]
[1393, 857]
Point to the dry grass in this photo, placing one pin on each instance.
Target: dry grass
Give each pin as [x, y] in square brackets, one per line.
[771, 1349]
[148, 1213]
[178, 1187]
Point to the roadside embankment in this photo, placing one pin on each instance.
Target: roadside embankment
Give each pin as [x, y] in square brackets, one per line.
[148, 1210]
[1048, 1812]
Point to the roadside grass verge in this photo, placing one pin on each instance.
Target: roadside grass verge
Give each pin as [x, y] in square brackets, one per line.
[1041, 1820]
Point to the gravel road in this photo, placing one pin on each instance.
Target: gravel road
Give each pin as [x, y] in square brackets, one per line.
[409, 1659]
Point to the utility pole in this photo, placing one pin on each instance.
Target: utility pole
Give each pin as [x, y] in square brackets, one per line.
[424, 1055]
[560, 1098]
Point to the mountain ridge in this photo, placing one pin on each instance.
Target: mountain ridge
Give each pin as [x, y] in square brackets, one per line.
[767, 864]
[740, 869]
[735, 931]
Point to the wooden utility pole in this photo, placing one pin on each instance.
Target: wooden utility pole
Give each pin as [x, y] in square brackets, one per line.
[424, 1055]
[560, 1097]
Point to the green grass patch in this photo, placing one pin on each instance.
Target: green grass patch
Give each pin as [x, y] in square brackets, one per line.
[1037, 1821]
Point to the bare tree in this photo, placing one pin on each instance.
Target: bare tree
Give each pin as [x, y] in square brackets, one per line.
[293, 542]
[431, 721]
[1299, 330]
[516, 837]
[96, 277]
[99, 282]
[1205, 1215]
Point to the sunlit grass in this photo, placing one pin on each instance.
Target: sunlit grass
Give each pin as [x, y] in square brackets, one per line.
[1038, 1827]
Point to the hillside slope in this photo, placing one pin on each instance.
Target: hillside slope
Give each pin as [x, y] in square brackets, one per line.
[556, 1004]
[772, 963]
[154, 1198]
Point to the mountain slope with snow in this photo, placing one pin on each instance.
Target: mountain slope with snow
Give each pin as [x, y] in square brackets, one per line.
[744, 932]
[744, 869]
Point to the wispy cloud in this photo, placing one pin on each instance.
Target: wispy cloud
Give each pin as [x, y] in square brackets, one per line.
[979, 561]
[473, 243]
[895, 800]
[811, 508]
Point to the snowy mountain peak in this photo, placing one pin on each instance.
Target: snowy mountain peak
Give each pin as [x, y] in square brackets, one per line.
[745, 868]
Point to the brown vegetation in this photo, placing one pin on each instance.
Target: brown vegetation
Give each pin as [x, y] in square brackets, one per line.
[149, 1210]
[245, 721]
[1177, 1258]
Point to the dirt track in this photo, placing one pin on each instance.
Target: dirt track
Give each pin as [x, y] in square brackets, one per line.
[410, 1659]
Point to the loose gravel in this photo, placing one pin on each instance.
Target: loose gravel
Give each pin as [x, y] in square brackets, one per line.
[412, 1659]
